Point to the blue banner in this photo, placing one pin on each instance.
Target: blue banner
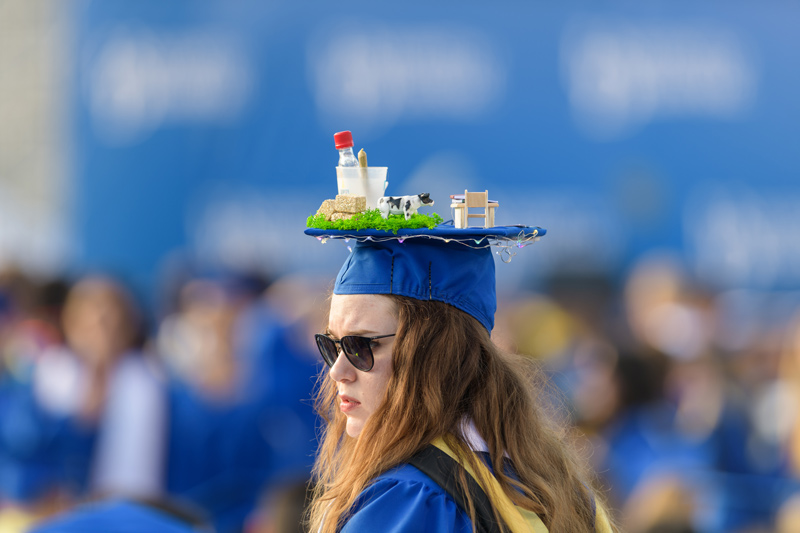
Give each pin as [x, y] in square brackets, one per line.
[206, 129]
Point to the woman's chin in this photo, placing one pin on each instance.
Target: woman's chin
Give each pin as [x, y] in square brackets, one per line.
[354, 427]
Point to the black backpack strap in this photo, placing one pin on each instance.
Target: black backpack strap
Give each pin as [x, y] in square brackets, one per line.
[444, 470]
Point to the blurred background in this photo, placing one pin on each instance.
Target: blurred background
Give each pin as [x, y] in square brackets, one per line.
[158, 161]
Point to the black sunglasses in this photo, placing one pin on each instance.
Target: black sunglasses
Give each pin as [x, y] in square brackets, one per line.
[358, 350]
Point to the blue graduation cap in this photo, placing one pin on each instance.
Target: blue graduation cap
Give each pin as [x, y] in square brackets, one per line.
[446, 264]
[118, 516]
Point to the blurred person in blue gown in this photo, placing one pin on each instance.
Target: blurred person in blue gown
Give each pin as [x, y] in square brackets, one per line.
[242, 426]
[104, 383]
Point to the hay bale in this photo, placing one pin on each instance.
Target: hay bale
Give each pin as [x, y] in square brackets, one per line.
[350, 203]
[327, 208]
[341, 216]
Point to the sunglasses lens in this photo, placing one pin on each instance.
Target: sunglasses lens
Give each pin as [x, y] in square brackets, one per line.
[358, 351]
[327, 348]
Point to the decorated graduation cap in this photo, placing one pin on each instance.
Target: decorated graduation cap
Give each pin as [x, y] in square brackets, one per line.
[443, 263]
[399, 251]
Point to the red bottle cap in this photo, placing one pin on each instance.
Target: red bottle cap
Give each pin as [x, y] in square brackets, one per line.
[343, 139]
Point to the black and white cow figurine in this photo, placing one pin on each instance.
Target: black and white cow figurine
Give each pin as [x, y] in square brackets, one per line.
[403, 205]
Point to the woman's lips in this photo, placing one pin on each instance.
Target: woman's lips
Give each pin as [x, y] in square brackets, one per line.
[346, 403]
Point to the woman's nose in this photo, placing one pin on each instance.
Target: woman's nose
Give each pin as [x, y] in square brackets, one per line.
[342, 370]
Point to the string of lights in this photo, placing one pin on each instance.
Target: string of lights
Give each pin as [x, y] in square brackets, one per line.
[507, 244]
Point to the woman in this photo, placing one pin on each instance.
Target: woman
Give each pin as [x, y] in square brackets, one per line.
[413, 319]
[107, 389]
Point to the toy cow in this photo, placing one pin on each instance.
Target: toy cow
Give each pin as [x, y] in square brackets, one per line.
[403, 205]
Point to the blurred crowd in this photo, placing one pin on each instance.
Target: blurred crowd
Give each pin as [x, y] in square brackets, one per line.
[685, 400]
[204, 411]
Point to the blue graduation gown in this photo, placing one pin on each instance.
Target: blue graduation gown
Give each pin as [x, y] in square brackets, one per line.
[39, 450]
[404, 500]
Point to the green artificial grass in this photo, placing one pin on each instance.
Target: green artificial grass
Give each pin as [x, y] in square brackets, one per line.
[372, 219]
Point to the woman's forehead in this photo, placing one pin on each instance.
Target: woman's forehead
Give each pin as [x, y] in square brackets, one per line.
[361, 313]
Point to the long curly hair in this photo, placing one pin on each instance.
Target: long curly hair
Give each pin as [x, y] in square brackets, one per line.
[447, 370]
